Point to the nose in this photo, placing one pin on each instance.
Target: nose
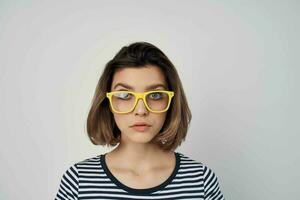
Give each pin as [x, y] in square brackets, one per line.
[140, 107]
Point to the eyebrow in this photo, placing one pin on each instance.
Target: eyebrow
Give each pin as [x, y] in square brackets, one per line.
[154, 86]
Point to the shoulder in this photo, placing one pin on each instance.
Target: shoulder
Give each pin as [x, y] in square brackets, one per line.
[74, 169]
[208, 176]
[72, 173]
[91, 161]
[187, 162]
[69, 184]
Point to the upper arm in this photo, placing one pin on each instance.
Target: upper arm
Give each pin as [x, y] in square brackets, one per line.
[68, 188]
[212, 190]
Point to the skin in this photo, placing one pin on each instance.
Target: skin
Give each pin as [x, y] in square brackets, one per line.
[136, 161]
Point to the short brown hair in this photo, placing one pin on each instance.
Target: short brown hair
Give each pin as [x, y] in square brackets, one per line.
[101, 127]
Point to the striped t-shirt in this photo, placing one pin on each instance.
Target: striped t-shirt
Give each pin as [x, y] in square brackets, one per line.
[91, 179]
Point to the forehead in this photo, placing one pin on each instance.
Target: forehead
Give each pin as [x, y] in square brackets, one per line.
[139, 78]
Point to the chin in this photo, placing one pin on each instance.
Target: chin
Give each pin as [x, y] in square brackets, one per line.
[140, 137]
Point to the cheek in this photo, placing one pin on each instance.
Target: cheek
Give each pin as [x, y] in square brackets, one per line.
[121, 121]
[159, 121]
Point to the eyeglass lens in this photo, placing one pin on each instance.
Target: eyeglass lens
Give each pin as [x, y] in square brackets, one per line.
[124, 102]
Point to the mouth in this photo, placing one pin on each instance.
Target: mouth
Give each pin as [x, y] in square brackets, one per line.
[140, 128]
[141, 124]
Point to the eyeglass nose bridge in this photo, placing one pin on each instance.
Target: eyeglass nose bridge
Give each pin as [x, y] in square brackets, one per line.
[139, 96]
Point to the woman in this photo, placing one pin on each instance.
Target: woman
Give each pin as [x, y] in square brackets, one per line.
[139, 104]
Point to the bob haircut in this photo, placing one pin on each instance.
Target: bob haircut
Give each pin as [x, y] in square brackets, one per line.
[101, 127]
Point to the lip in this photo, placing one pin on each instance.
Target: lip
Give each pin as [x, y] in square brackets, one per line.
[140, 128]
[140, 124]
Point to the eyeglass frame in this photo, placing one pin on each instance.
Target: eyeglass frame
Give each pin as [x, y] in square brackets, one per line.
[140, 95]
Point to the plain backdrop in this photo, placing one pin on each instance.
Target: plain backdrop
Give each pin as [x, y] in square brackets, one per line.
[238, 62]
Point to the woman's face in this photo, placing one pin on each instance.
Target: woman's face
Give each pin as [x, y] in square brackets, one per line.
[138, 80]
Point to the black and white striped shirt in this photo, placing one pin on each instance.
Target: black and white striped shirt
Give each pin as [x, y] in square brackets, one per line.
[91, 179]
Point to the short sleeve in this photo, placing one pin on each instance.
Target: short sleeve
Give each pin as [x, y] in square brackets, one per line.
[212, 190]
[68, 188]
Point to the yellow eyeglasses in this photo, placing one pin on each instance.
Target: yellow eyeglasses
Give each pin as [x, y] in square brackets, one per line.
[156, 101]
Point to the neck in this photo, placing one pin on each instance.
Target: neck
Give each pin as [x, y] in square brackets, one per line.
[140, 156]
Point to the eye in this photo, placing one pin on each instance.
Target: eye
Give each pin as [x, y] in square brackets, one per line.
[155, 95]
[123, 95]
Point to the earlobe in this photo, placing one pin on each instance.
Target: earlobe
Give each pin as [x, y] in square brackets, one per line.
[163, 141]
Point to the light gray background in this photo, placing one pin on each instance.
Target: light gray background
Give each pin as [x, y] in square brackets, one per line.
[238, 62]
